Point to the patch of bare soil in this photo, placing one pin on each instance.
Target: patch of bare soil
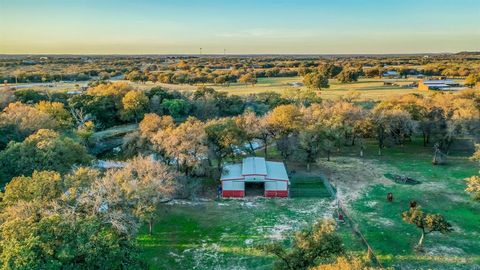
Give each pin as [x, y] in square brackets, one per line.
[351, 176]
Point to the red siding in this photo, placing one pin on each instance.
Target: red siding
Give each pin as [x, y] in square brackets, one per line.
[233, 193]
[276, 193]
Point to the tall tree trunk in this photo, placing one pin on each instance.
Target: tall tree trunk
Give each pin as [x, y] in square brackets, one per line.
[420, 242]
[219, 166]
[251, 147]
[435, 159]
[380, 141]
[150, 226]
[265, 148]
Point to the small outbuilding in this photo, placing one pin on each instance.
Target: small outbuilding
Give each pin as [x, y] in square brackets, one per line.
[438, 85]
[255, 174]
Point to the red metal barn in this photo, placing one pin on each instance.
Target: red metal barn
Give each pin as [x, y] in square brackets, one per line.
[269, 175]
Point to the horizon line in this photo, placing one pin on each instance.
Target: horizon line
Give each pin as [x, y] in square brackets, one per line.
[235, 54]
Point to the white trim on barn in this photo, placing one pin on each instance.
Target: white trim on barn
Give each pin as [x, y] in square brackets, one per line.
[257, 170]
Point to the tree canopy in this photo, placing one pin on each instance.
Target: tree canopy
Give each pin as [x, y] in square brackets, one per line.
[316, 80]
[310, 247]
[44, 150]
[426, 222]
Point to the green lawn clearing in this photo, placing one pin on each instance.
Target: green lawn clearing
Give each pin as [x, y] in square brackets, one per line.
[308, 187]
[223, 234]
[441, 191]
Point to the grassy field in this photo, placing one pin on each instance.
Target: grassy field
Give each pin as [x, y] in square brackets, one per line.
[363, 188]
[368, 88]
[441, 191]
[223, 234]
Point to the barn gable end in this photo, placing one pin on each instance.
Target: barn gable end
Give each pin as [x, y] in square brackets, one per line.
[255, 170]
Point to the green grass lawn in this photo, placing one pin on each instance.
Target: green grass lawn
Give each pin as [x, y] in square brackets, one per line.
[223, 234]
[307, 187]
[441, 191]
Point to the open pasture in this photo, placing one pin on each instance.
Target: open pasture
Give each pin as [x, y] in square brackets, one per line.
[368, 88]
[224, 234]
[363, 188]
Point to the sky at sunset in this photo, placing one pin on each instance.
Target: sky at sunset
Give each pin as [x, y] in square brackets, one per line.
[239, 27]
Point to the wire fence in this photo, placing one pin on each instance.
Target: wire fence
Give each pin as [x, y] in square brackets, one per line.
[355, 228]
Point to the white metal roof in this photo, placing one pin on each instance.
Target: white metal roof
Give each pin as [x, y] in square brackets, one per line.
[276, 171]
[254, 166]
[439, 82]
[232, 172]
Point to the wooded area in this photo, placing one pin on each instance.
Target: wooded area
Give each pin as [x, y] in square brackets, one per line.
[61, 209]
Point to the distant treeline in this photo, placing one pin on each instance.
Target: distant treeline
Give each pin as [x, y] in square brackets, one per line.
[223, 70]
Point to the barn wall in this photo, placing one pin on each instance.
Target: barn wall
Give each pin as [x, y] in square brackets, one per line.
[276, 185]
[276, 189]
[233, 189]
[271, 185]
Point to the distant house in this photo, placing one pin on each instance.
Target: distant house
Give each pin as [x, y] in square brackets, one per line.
[296, 84]
[390, 74]
[74, 92]
[29, 62]
[438, 85]
[269, 175]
